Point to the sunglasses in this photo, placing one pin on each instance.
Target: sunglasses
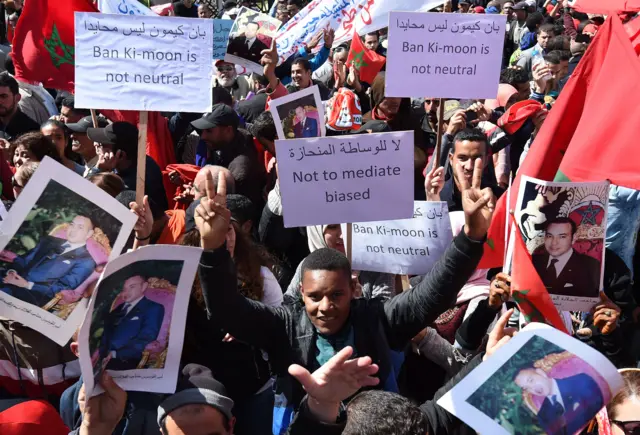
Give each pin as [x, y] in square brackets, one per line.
[225, 68]
[628, 427]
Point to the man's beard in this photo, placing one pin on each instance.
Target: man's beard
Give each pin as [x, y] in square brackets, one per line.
[6, 111]
[226, 82]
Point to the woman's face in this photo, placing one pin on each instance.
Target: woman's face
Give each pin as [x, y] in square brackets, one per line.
[629, 410]
[231, 239]
[21, 155]
[333, 237]
[56, 136]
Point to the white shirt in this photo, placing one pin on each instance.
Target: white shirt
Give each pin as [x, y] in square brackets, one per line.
[90, 165]
[271, 291]
[562, 261]
[133, 304]
[72, 246]
[556, 392]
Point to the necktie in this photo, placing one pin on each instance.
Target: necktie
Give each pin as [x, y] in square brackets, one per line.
[557, 407]
[551, 270]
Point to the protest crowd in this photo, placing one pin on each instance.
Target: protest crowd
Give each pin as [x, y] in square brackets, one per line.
[282, 335]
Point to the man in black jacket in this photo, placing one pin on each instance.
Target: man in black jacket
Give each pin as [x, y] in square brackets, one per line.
[331, 319]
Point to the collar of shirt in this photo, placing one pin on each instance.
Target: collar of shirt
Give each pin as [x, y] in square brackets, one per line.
[556, 392]
[73, 246]
[88, 166]
[562, 260]
[133, 303]
[251, 41]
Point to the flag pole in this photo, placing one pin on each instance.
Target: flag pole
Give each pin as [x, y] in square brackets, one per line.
[349, 241]
[142, 155]
[94, 118]
[436, 152]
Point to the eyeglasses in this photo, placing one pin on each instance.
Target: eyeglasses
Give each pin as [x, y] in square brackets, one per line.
[628, 427]
[225, 68]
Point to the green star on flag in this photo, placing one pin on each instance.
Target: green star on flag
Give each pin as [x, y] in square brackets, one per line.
[60, 52]
[358, 59]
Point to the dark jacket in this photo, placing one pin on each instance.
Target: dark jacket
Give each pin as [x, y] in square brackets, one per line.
[238, 47]
[325, 93]
[440, 421]
[153, 185]
[579, 277]
[451, 194]
[18, 125]
[289, 337]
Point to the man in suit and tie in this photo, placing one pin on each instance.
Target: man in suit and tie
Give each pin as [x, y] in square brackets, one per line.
[306, 127]
[248, 46]
[569, 403]
[53, 265]
[563, 270]
[131, 326]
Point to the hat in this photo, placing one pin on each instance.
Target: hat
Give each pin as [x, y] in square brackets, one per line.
[521, 6]
[492, 10]
[197, 386]
[479, 10]
[117, 133]
[452, 106]
[466, 2]
[514, 118]
[530, 3]
[221, 116]
[86, 123]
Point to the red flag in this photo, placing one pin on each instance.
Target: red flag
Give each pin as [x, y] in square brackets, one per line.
[528, 291]
[588, 135]
[43, 45]
[605, 6]
[367, 62]
[159, 142]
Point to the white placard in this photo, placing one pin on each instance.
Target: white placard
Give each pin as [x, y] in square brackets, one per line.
[139, 345]
[403, 247]
[444, 55]
[124, 7]
[130, 62]
[356, 178]
[46, 285]
[510, 393]
[299, 115]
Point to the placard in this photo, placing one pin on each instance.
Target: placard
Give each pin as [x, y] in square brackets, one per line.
[541, 381]
[444, 55]
[129, 62]
[221, 29]
[356, 178]
[405, 246]
[564, 227]
[299, 115]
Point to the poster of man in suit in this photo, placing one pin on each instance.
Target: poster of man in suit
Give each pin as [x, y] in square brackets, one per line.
[251, 33]
[136, 318]
[61, 232]
[563, 226]
[299, 115]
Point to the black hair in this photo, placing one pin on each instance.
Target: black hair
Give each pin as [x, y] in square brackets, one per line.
[534, 20]
[471, 135]
[297, 3]
[525, 366]
[253, 22]
[514, 76]
[8, 64]
[70, 102]
[340, 49]
[221, 95]
[583, 24]
[264, 126]
[384, 413]
[558, 43]
[38, 145]
[376, 34]
[553, 57]
[58, 124]
[562, 220]
[304, 63]
[327, 259]
[547, 28]
[9, 82]
[241, 208]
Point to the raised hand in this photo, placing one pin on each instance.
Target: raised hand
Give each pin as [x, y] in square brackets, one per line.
[144, 225]
[606, 315]
[314, 41]
[329, 35]
[500, 290]
[500, 334]
[212, 216]
[270, 61]
[478, 205]
[102, 413]
[434, 182]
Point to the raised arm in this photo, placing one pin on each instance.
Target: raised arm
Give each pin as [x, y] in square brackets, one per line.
[411, 311]
[246, 320]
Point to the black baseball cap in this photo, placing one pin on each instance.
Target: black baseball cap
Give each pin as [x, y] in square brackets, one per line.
[86, 123]
[221, 116]
[521, 6]
[114, 134]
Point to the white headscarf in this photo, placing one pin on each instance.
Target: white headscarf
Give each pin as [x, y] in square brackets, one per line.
[315, 237]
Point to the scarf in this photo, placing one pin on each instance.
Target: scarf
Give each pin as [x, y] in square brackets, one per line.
[315, 236]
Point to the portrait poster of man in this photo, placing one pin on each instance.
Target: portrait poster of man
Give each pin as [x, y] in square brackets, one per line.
[251, 33]
[563, 226]
[136, 318]
[60, 233]
[299, 115]
[542, 381]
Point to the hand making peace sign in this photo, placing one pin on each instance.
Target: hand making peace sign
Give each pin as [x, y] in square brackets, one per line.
[478, 204]
[212, 215]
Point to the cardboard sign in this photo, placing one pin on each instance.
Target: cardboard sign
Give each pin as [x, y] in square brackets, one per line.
[403, 247]
[444, 55]
[130, 62]
[221, 29]
[358, 178]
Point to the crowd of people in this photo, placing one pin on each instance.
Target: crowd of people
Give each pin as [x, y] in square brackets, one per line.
[282, 336]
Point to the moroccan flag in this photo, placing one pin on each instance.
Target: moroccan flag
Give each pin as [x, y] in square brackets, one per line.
[588, 135]
[528, 291]
[159, 142]
[367, 62]
[605, 6]
[43, 45]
